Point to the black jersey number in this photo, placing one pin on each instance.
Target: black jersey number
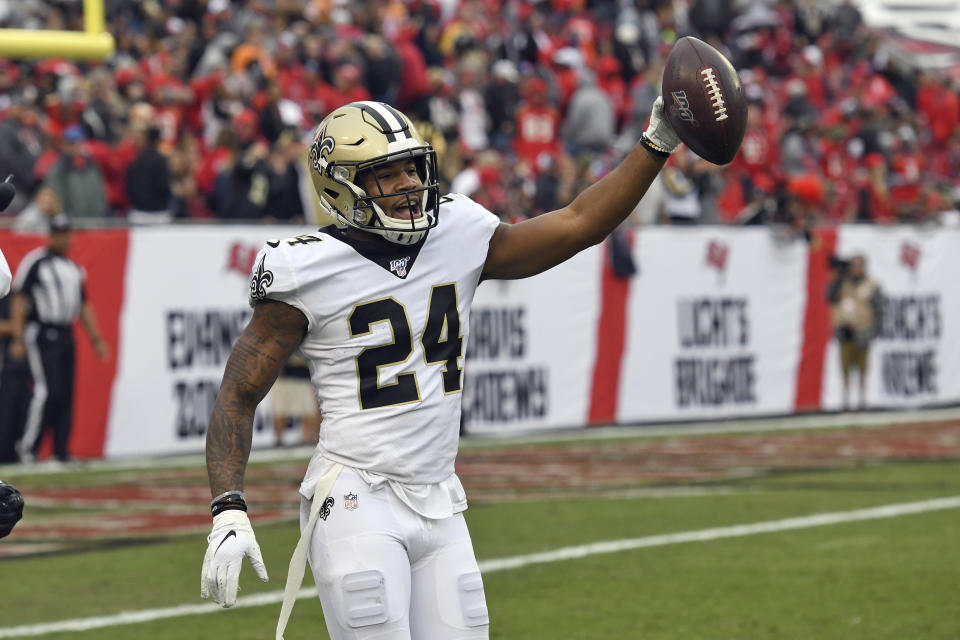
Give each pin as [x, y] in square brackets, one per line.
[441, 340]
[404, 389]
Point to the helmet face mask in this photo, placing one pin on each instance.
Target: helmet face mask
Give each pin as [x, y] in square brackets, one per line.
[352, 147]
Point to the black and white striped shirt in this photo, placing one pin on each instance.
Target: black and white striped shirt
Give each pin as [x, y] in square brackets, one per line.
[53, 284]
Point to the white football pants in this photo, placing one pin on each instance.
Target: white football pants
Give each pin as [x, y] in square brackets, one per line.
[384, 572]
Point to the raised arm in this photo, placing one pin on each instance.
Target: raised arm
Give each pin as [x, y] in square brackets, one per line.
[254, 364]
[535, 245]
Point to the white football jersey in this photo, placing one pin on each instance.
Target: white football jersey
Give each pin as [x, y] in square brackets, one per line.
[386, 339]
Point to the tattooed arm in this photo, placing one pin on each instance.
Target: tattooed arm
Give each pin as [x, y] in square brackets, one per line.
[255, 362]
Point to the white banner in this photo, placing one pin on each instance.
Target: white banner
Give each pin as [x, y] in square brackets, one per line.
[531, 349]
[714, 324]
[916, 359]
[714, 329]
[185, 304]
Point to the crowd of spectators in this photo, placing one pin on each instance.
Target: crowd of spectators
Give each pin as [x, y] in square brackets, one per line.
[206, 108]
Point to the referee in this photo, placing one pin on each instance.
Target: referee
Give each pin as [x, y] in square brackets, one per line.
[48, 296]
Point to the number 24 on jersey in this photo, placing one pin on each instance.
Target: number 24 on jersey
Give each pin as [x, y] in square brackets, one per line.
[441, 341]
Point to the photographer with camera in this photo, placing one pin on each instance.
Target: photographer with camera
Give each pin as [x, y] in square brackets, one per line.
[856, 303]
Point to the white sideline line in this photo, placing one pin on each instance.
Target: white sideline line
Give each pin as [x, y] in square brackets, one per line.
[515, 562]
[718, 533]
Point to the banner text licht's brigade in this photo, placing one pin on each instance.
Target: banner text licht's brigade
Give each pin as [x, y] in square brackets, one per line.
[714, 325]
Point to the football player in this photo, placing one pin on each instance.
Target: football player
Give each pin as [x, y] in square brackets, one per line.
[11, 502]
[11, 508]
[379, 307]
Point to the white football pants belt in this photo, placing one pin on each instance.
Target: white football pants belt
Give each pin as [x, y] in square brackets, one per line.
[298, 562]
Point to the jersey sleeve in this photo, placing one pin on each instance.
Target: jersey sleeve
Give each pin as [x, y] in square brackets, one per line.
[480, 222]
[274, 278]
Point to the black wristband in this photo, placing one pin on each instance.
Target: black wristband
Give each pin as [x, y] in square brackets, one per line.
[649, 146]
[228, 503]
[220, 508]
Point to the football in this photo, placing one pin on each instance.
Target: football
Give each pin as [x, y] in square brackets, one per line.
[704, 100]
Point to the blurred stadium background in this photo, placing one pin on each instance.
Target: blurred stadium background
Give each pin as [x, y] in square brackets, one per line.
[655, 445]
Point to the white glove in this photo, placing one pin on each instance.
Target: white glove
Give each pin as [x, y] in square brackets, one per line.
[231, 539]
[659, 132]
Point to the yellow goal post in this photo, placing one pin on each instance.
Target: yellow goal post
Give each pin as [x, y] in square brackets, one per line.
[93, 43]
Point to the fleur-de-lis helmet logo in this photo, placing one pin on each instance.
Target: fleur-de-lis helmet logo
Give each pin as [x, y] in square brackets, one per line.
[327, 145]
[323, 145]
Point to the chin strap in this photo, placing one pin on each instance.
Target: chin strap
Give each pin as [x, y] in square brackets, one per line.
[402, 233]
[403, 237]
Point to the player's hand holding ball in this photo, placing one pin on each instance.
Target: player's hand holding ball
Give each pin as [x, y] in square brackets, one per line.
[659, 134]
[11, 508]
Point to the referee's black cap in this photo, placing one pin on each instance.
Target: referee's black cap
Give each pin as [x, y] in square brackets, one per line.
[60, 223]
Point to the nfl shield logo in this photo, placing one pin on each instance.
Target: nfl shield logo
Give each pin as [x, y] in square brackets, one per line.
[399, 266]
[350, 501]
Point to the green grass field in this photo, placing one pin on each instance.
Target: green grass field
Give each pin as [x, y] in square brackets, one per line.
[896, 578]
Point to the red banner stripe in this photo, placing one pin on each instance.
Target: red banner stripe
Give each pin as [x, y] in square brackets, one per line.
[611, 344]
[103, 254]
[816, 320]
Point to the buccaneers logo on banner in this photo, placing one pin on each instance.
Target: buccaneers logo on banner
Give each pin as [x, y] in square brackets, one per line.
[717, 254]
[241, 257]
[910, 255]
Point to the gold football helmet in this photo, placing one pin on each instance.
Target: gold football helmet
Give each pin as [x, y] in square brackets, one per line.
[356, 139]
